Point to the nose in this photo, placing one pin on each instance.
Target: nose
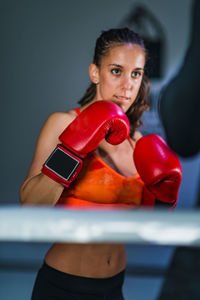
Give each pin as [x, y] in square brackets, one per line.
[127, 83]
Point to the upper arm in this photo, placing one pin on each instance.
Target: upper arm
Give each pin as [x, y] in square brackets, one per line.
[48, 139]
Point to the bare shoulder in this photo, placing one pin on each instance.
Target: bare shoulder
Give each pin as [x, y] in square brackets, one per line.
[59, 120]
[137, 135]
[53, 127]
[49, 138]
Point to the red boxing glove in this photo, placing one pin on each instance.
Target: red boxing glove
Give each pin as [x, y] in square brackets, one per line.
[160, 169]
[102, 119]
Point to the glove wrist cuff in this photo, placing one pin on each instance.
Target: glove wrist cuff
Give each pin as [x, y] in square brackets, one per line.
[63, 165]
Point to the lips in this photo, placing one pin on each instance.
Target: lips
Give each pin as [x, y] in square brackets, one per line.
[122, 98]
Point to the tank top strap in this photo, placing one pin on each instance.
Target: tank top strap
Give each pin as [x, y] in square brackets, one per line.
[131, 142]
[77, 110]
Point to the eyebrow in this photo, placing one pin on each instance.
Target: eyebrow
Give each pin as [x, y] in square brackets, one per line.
[119, 66]
[115, 65]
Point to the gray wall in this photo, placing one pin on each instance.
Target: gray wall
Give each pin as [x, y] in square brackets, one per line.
[46, 47]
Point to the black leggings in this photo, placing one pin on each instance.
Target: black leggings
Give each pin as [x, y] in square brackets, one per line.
[52, 284]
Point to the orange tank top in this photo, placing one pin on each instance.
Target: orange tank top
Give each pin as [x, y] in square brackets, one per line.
[98, 185]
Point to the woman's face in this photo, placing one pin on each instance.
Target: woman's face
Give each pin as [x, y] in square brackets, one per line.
[120, 75]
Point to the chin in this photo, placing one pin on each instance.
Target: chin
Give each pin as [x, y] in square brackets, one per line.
[123, 107]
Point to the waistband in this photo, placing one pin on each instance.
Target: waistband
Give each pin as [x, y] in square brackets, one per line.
[80, 284]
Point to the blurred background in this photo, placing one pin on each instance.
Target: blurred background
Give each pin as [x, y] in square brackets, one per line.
[46, 47]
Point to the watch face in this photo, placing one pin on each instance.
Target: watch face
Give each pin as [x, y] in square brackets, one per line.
[62, 164]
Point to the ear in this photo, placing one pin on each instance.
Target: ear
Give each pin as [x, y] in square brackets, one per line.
[94, 73]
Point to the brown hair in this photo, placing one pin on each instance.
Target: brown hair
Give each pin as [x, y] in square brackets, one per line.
[106, 41]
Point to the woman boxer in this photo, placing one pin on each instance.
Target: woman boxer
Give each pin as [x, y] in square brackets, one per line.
[99, 172]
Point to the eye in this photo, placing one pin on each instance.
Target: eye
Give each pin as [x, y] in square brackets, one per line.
[136, 74]
[116, 71]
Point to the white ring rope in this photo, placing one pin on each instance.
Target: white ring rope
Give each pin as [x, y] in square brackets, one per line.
[41, 224]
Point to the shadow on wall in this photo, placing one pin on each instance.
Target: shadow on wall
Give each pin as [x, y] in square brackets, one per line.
[143, 21]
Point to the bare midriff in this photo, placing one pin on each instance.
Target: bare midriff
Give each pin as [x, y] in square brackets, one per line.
[87, 260]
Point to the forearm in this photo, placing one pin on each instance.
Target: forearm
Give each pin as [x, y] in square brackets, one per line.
[40, 190]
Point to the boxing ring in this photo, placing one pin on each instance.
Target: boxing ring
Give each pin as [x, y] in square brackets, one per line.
[25, 234]
[45, 224]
